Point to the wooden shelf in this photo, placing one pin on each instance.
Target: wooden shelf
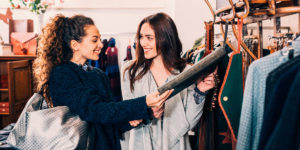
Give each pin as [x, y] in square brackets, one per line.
[17, 57]
[3, 89]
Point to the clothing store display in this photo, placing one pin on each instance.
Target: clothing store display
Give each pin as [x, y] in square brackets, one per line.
[279, 82]
[209, 38]
[94, 63]
[128, 53]
[231, 96]
[188, 77]
[181, 113]
[188, 55]
[286, 133]
[254, 97]
[112, 69]
[42, 127]
[220, 119]
[87, 93]
[102, 56]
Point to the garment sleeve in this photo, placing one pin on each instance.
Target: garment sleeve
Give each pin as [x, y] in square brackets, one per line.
[194, 103]
[124, 126]
[67, 89]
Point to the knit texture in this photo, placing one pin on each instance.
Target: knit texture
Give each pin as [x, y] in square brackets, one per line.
[87, 93]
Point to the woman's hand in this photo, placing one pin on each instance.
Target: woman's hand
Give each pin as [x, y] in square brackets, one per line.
[158, 111]
[156, 100]
[207, 83]
[135, 123]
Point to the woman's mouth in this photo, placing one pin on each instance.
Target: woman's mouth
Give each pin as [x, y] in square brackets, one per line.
[97, 51]
[146, 50]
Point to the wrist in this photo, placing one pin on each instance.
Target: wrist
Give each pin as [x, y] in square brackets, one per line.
[201, 92]
[147, 100]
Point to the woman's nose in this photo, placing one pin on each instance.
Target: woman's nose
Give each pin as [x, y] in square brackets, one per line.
[143, 42]
[100, 44]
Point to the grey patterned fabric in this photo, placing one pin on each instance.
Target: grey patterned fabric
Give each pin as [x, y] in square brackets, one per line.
[48, 128]
[170, 131]
[254, 97]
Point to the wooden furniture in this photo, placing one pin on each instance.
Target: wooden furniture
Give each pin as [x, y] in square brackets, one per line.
[19, 88]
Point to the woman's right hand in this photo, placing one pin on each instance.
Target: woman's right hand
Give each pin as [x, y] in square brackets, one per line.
[156, 100]
[135, 123]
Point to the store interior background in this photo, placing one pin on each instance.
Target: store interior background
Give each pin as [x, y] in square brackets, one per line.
[120, 18]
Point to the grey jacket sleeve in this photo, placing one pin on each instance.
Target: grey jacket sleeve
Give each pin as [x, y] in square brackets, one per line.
[194, 103]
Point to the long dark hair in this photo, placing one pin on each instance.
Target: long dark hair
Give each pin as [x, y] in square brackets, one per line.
[168, 45]
[54, 47]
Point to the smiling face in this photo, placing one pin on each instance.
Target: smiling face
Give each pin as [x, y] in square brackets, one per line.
[148, 41]
[89, 47]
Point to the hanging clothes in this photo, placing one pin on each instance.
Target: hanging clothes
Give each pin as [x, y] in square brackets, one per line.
[128, 53]
[102, 56]
[254, 98]
[112, 69]
[93, 63]
[220, 119]
[279, 82]
[286, 133]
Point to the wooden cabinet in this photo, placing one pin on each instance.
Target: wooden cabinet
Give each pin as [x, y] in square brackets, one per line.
[19, 88]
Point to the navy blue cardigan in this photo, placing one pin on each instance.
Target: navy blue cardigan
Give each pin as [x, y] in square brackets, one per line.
[87, 93]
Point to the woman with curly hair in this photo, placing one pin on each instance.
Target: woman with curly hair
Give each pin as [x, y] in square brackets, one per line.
[158, 61]
[60, 68]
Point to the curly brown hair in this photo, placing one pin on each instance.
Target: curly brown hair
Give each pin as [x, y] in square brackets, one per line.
[54, 47]
[167, 43]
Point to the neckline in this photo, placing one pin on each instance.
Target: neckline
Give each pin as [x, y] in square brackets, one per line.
[84, 67]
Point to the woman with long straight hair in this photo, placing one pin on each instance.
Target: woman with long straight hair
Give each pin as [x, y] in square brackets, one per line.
[158, 60]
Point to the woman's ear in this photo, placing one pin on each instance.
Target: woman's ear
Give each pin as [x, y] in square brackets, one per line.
[74, 45]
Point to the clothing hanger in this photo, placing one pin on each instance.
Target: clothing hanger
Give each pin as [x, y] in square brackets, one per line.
[289, 51]
[242, 16]
[227, 20]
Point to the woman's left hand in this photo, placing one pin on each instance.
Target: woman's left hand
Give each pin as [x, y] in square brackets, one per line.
[157, 111]
[207, 83]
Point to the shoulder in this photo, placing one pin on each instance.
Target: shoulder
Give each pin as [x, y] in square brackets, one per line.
[62, 68]
[126, 65]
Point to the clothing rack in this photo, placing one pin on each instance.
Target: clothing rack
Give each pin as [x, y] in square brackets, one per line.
[241, 14]
[259, 12]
